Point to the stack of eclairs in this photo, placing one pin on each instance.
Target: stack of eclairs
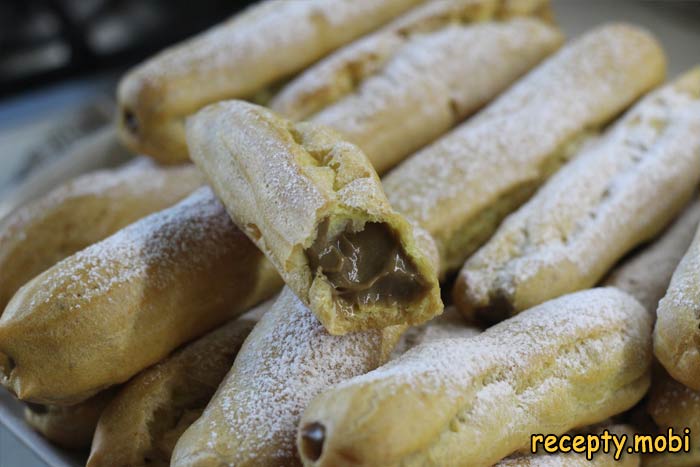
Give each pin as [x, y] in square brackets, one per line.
[371, 233]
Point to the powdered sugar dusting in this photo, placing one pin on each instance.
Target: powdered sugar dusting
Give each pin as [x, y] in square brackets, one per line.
[573, 459]
[432, 68]
[193, 231]
[449, 324]
[288, 359]
[582, 86]
[502, 376]
[672, 404]
[268, 41]
[598, 206]
[129, 178]
[451, 364]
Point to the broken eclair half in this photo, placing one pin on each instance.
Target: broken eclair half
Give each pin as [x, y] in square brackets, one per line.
[315, 206]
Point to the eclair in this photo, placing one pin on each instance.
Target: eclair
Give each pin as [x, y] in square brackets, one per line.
[573, 361]
[399, 89]
[342, 72]
[646, 274]
[107, 312]
[81, 212]
[488, 166]
[236, 59]
[593, 211]
[288, 358]
[72, 426]
[677, 329]
[674, 406]
[252, 419]
[315, 206]
[141, 425]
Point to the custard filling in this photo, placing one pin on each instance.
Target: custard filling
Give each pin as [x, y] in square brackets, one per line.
[366, 267]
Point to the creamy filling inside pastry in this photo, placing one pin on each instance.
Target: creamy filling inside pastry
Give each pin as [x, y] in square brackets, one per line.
[367, 267]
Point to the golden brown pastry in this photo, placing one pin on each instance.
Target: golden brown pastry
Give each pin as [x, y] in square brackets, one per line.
[142, 424]
[674, 406]
[107, 312]
[570, 362]
[402, 87]
[287, 360]
[70, 426]
[315, 206]
[81, 212]
[449, 324]
[236, 59]
[593, 211]
[491, 164]
[646, 274]
[573, 459]
[677, 327]
[342, 73]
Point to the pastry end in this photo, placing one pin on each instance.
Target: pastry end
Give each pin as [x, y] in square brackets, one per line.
[312, 438]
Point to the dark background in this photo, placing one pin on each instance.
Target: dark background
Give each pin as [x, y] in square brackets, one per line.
[45, 41]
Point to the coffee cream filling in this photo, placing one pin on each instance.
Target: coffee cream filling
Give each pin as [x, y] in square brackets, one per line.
[365, 268]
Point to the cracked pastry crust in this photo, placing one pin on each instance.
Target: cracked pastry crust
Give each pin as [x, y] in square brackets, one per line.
[399, 89]
[236, 59]
[250, 422]
[646, 274]
[593, 211]
[570, 362]
[144, 421]
[315, 206]
[101, 315]
[573, 459]
[673, 405]
[488, 166]
[70, 427]
[81, 212]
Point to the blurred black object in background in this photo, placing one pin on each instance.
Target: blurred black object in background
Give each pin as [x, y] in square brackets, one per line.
[42, 41]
